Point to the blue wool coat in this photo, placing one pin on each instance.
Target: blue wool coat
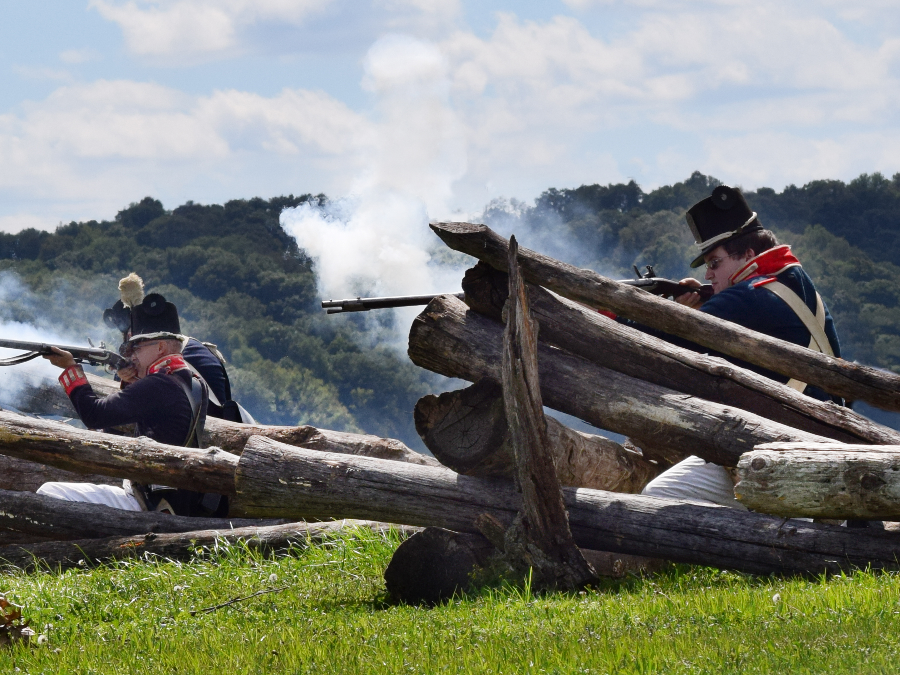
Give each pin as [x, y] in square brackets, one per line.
[759, 309]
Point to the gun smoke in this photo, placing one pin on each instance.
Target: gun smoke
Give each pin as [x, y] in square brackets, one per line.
[376, 241]
[23, 317]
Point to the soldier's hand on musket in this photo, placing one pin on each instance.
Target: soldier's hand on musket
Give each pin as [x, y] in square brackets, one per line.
[127, 375]
[60, 358]
[692, 300]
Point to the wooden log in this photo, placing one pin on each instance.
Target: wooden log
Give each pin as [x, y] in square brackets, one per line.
[56, 555]
[815, 480]
[539, 538]
[140, 459]
[232, 436]
[584, 332]
[842, 378]
[436, 564]
[452, 340]
[277, 480]
[47, 518]
[20, 474]
[466, 430]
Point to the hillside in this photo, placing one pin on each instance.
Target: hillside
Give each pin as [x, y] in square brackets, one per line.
[240, 281]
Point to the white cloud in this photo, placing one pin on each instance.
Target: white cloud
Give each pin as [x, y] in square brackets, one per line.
[101, 145]
[536, 93]
[197, 27]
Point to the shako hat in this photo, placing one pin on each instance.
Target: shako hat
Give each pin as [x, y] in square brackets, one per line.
[155, 319]
[720, 217]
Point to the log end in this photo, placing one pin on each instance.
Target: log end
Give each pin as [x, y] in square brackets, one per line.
[434, 565]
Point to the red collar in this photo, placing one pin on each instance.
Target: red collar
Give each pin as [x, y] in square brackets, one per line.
[768, 263]
[168, 364]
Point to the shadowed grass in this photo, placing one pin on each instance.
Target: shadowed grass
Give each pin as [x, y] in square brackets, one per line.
[134, 617]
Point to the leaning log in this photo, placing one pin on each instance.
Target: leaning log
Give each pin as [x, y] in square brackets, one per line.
[140, 459]
[466, 430]
[859, 482]
[277, 480]
[842, 378]
[56, 555]
[539, 538]
[452, 340]
[584, 332]
[46, 518]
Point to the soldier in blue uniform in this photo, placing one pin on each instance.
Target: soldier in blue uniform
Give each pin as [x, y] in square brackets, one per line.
[760, 285]
[165, 401]
[203, 358]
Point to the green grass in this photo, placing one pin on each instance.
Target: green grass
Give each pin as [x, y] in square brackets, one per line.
[135, 618]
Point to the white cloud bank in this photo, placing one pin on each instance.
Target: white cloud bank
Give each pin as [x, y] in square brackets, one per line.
[756, 93]
[92, 148]
[196, 27]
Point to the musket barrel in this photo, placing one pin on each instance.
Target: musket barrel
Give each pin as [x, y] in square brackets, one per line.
[365, 304]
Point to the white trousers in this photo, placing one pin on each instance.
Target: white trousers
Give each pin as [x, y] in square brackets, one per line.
[696, 480]
[108, 495]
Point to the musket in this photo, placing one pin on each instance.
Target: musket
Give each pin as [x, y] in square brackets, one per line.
[646, 282]
[365, 304]
[96, 356]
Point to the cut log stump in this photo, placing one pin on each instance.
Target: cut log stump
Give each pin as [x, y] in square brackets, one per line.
[436, 564]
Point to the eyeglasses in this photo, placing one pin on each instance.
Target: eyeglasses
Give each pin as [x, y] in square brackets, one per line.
[715, 262]
[133, 347]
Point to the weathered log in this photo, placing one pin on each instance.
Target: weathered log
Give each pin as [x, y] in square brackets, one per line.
[452, 340]
[436, 564]
[20, 474]
[815, 480]
[539, 538]
[586, 333]
[232, 436]
[48, 518]
[842, 378]
[466, 430]
[278, 480]
[56, 555]
[141, 459]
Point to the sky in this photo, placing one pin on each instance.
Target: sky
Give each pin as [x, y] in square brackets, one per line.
[443, 105]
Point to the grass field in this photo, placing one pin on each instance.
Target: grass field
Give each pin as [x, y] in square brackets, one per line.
[329, 616]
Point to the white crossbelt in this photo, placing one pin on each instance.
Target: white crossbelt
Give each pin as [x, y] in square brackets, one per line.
[815, 323]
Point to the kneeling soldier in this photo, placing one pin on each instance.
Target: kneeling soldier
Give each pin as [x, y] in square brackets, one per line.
[760, 285]
[166, 402]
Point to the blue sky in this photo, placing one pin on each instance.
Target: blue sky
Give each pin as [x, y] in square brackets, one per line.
[447, 104]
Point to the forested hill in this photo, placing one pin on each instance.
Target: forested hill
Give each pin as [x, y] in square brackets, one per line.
[239, 280]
